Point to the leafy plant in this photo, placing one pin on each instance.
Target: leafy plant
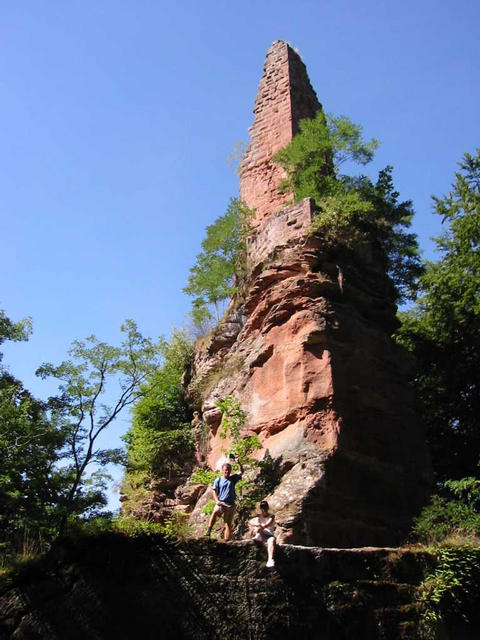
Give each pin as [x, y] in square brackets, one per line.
[220, 264]
[208, 508]
[160, 437]
[314, 156]
[203, 476]
[176, 526]
[451, 588]
[133, 527]
[352, 211]
[453, 514]
[233, 418]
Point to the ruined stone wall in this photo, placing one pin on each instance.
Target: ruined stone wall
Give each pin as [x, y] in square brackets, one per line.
[284, 97]
[286, 225]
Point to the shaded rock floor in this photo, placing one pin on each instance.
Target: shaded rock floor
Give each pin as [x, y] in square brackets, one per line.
[111, 586]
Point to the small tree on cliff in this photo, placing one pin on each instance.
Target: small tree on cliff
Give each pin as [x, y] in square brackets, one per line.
[222, 259]
[313, 158]
[352, 210]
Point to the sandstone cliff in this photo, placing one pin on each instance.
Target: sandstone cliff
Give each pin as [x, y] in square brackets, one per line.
[307, 350]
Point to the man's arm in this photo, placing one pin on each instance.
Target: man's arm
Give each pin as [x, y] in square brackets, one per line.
[239, 465]
[215, 489]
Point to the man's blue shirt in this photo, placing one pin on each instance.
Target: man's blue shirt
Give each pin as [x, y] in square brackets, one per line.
[225, 487]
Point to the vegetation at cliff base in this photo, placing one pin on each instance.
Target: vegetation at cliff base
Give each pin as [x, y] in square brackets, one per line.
[443, 331]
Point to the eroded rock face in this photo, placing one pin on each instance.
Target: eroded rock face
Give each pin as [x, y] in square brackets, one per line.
[324, 388]
[307, 351]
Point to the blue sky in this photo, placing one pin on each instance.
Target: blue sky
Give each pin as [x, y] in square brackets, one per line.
[118, 118]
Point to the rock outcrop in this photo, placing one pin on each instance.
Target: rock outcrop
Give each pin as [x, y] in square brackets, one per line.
[113, 587]
[307, 350]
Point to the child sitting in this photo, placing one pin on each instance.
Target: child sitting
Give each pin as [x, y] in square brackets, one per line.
[262, 526]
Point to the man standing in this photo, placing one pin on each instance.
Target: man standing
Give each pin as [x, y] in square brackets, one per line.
[224, 496]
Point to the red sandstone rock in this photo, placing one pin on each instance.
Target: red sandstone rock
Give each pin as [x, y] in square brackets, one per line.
[284, 97]
[308, 353]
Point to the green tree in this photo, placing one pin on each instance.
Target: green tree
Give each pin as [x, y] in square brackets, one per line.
[15, 331]
[212, 278]
[313, 158]
[30, 484]
[387, 226]
[160, 437]
[83, 416]
[30, 448]
[351, 210]
[443, 330]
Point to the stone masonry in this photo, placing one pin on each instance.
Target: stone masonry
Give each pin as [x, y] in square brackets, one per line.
[285, 96]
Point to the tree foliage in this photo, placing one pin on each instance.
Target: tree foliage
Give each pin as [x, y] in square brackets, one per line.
[314, 156]
[443, 330]
[212, 278]
[31, 486]
[82, 414]
[31, 445]
[160, 438]
[352, 210]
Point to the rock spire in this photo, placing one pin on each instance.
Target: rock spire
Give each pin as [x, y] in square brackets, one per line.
[306, 348]
[285, 96]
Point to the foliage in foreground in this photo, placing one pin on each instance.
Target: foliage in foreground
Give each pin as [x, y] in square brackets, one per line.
[52, 471]
[31, 487]
[450, 590]
[31, 445]
[353, 211]
[82, 414]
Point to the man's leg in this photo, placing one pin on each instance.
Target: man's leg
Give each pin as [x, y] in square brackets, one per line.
[213, 517]
[228, 517]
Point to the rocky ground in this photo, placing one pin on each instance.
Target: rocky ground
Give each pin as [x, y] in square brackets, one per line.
[111, 586]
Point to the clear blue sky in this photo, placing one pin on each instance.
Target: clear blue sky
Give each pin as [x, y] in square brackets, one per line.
[117, 119]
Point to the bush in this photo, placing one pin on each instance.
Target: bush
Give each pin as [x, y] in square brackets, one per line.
[450, 589]
[203, 476]
[455, 514]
